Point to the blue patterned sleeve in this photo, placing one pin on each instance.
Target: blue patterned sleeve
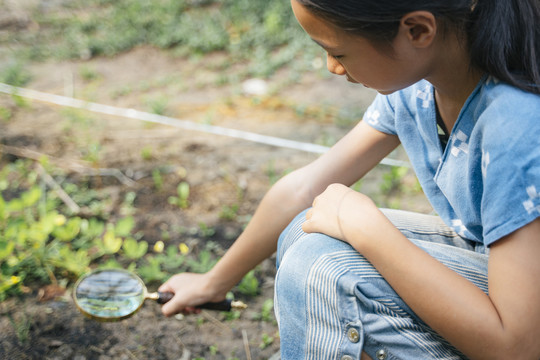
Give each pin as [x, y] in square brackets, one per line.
[510, 169]
[381, 115]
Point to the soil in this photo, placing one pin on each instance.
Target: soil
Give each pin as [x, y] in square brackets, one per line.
[221, 171]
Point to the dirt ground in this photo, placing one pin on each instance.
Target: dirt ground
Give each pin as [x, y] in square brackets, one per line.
[216, 167]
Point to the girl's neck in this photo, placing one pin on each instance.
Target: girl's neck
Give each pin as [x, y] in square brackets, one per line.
[453, 78]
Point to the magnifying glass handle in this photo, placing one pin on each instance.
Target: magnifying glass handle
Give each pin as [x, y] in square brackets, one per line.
[164, 297]
[225, 305]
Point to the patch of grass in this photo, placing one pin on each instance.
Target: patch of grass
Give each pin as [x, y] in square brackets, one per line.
[15, 74]
[261, 33]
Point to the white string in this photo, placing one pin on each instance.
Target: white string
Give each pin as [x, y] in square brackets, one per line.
[165, 120]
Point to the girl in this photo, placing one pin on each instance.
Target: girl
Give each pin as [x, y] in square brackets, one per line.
[459, 85]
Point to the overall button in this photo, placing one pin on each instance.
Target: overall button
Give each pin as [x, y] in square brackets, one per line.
[353, 335]
[381, 355]
[347, 357]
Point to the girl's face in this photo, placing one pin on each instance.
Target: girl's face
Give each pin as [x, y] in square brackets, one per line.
[356, 58]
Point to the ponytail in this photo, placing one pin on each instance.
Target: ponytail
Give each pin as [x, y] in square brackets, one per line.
[504, 41]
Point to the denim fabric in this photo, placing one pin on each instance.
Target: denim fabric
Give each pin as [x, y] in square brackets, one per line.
[331, 303]
[486, 183]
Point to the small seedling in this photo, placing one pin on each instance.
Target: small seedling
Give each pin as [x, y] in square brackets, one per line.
[183, 194]
[267, 340]
[249, 285]
[134, 249]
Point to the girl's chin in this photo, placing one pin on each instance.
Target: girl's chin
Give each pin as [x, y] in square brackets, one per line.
[351, 80]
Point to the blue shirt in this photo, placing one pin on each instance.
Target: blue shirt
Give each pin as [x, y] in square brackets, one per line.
[486, 183]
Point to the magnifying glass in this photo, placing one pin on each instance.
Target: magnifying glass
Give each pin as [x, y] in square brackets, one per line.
[116, 294]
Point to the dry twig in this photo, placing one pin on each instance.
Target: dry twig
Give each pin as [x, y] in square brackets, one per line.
[72, 205]
[246, 344]
[68, 164]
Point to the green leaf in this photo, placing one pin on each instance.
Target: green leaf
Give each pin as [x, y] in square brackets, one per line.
[75, 262]
[249, 284]
[31, 196]
[6, 248]
[3, 209]
[15, 205]
[151, 271]
[124, 226]
[111, 243]
[183, 190]
[69, 231]
[133, 249]
[92, 228]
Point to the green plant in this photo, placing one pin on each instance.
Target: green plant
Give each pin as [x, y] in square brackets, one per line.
[203, 263]
[88, 73]
[14, 74]
[42, 242]
[267, 311]
[158, 179]
[264, 35]
[151, 271]
[266, 341]
[146, 153]
[206, 231]
[92, 153]
[5, 113]
[213, 349]
[183, 194]
[21, 327]
[158, 106]
[249, 285]
[171, 260]
[134, 249]
[392, 179]
[229, 212]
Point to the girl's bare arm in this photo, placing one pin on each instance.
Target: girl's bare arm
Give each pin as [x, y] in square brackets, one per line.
[346, 162]
[503, 325]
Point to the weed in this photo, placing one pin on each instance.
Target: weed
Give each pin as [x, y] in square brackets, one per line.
[157, 179]
[264, 34]
[151, 271]
[134, 249]
[14, 74]
[92, 153]
[88, 74]
[146, 153]
[392, 179]
[203, 263]
[267, 311]
[158, 106]
[249, 285]
[171, 260]
[206, 231]
[232, 315]
[229, 213]
[213, 349]
[5, 114]
[21, 327]
[183, 194]
[42, 242]
[266, 341]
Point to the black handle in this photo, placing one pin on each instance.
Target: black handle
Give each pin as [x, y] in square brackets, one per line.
[224, 305]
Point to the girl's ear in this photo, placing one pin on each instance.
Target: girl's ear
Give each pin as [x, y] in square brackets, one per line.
[420, 27]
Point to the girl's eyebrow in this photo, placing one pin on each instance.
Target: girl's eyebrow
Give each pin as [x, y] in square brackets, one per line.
[323, 45]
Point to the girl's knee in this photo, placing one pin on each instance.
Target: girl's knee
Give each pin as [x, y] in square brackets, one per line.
[290, 235]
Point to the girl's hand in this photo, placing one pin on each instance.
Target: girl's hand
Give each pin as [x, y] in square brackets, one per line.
[345, 214]
[190, 290]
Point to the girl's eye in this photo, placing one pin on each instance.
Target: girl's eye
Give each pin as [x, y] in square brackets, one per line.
[337, 57]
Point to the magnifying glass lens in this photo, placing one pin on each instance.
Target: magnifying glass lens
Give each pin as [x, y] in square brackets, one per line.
[110, 294]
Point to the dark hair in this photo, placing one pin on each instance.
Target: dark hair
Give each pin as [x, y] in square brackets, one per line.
[503, 36]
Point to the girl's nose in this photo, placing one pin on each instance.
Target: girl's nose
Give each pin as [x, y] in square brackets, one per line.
[334, 66]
